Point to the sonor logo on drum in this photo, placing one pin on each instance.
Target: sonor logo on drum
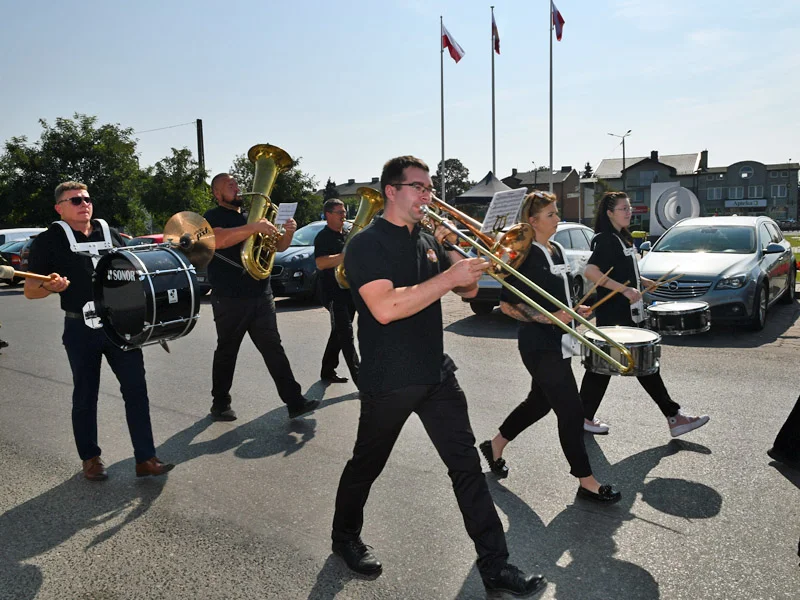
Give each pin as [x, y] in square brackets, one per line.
[120, 275]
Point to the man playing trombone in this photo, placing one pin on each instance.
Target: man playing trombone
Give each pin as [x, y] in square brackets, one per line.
[397, 274]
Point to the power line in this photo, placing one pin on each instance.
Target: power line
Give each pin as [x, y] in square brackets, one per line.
[167, 127]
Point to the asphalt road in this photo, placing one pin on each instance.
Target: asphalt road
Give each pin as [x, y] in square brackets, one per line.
[247, 511]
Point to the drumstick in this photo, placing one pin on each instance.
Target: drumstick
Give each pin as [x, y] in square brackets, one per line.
[594, 287]
[10, 273]
[659, 282]
[599, 302]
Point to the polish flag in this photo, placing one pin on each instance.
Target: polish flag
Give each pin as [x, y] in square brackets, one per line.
[456, 51]
[558, 20]
[495, 36]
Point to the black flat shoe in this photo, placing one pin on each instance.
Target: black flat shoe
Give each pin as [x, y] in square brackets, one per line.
[498, 467]
[305, 407]
[605, 495]
[513, 581]
[358, 557]
[333, 378]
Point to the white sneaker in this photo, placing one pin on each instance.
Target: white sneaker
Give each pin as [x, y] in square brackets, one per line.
[595, 426]
[683, 423]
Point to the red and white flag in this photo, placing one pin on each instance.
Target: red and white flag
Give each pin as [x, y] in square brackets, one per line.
[558, 20]
[495, 36]
[456, 51]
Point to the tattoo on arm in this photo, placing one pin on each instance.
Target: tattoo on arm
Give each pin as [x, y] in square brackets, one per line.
[523, 312]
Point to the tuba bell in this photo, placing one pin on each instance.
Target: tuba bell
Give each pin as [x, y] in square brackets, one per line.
[258, 251]
[371, 203]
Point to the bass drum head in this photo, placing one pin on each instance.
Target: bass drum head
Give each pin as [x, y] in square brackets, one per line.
[145, 296]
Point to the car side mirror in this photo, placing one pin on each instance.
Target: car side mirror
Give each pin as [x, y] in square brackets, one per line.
[774, 248]
[644, 247]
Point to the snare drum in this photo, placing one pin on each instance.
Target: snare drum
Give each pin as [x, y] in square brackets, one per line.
[145, 296]
[679, 318]
[643, 345]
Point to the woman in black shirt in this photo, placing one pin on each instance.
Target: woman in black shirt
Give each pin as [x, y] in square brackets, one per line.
[546, 352]
[612, 246]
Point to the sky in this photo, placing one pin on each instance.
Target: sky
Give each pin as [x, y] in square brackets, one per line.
[345, 85]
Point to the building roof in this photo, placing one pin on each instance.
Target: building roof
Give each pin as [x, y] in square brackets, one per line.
[349, 188]
[684, 164]
[485, 188]
[537, 177]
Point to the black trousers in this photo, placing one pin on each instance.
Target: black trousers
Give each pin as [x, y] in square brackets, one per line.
[85, 349]
[788, 438]
[342, 309]
[553, 386]
[235, 317]
[594, 385]
[442, 408]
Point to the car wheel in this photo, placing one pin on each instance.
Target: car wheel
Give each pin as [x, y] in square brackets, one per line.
[789, 296]
[482, 308]
[759, 318]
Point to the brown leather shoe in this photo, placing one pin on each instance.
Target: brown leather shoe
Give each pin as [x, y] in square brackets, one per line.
[94, 469]
[153, 467]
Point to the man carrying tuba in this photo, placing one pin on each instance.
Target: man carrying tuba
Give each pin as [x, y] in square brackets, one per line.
[243, 304]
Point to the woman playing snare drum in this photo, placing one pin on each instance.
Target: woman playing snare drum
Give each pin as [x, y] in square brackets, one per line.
[612, 246]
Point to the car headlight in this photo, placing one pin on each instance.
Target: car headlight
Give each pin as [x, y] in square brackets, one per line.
[732, 283]
[301, 256]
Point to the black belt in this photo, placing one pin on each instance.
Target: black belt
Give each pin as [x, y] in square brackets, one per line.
[73, 315]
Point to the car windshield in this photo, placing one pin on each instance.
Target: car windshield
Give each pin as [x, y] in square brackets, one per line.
[305, 235]
[734, 239]
[13, 246]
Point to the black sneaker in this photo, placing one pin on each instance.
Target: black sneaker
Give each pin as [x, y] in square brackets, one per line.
[358, 557]
[512, 581]
[222, 413]
[299, 410]
[499, 466]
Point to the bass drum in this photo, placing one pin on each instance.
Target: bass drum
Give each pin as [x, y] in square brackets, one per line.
[145, 296]
[643, 345]
[679, 318]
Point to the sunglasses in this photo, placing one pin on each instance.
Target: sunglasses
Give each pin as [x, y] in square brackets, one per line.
[77, 200]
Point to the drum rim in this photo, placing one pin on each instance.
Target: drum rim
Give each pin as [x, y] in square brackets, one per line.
[605, 328]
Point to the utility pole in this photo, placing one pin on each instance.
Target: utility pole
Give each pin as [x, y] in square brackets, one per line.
[201, 157]
[623, 136]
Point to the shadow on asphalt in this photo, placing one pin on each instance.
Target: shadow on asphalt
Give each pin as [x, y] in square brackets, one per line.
[495, 325]
[575, 551]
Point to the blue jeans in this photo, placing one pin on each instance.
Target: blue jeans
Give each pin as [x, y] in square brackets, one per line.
[85, 349]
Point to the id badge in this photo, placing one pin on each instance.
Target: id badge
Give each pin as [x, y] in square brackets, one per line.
[90, 316]
[637, 311]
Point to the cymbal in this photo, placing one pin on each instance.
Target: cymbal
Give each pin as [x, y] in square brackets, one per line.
[192, 235]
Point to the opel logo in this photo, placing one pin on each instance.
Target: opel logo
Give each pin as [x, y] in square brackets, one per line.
[673, 286]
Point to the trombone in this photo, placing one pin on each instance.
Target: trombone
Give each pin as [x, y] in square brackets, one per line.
[514, 246]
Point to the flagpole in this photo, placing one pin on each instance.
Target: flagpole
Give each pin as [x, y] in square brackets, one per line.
[491, 51]
[551, 100]
[441, 80]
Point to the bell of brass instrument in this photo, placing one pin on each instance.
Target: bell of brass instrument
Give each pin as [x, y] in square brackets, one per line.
[258, 251]
[371, 203]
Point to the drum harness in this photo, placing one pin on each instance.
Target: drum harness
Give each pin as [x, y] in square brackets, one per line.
[569, 344]
[637, 308]
[92, 250]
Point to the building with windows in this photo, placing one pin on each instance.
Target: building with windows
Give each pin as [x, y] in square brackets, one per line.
[566, 186]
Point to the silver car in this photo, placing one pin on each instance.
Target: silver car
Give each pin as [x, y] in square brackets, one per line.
[739, 265]
[574, 237]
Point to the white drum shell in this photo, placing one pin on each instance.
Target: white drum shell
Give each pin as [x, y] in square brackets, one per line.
[643, 344]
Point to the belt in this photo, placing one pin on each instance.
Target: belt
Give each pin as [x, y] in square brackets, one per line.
[73, 315]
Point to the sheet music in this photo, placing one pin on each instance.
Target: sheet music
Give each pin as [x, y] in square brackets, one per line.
[286, 211]
[503, 210]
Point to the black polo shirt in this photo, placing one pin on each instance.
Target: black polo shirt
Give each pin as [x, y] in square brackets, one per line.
[326, 243]
[232, 281]
[535, 336]
[607, 252]
[409, 351]
[50, 253]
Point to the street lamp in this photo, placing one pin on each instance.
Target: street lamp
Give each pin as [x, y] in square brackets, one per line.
[622, 137]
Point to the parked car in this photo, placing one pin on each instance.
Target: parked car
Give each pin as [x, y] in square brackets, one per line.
[574, 237]
[294, 273]
[24, 253]
[10, 253]
[158, 238]
[19, 233]
[739, 265]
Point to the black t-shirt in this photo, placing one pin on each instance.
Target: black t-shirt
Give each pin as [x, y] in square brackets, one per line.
[535, 336]
[50, 253]
[231, 281]
[607, 252]
[409, 351]
[326, 243]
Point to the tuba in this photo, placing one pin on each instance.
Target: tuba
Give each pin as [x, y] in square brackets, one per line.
[371, 203]
[258, 251]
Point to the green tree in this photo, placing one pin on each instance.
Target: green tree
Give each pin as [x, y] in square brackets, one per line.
[174, 184]
[292, 185]
[456, 178]
[330, 190]
[587, 171]
[101, 156]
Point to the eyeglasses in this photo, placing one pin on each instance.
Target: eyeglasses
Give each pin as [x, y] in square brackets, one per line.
[338, 212]
[77, 200]
[421, 188]
[624, 208]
